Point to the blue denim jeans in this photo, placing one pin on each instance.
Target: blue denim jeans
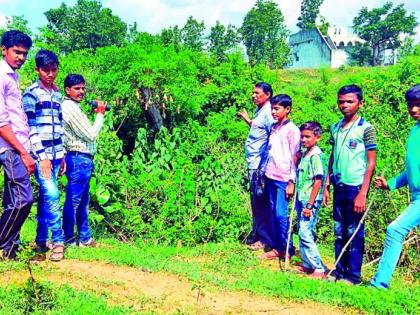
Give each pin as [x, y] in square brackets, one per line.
[345, 223]
[395, 235]
[308, 249]
[259, 206]
[79, 172]
[49, 210]
[278, 215]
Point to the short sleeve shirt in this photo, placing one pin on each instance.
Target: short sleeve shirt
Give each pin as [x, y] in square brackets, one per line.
[256, 143]
[310, 166]
[350, 145]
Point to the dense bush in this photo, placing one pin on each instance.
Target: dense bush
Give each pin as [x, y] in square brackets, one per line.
[187, 183]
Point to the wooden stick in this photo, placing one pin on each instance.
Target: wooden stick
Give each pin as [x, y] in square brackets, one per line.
[289, 232]
[377, 259]
[356, 230]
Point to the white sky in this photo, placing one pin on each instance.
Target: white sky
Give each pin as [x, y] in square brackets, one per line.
[153, 15]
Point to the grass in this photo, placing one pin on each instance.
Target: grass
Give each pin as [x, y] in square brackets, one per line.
[231, 267]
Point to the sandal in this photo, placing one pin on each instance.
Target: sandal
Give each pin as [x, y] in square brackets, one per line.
[57, 253]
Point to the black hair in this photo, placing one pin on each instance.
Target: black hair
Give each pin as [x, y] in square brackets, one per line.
[73, 79]
[281, 99]
[265, 87]
[413, 93]
[352, 88]
[45, 58]
[313, 126]
[15, 38]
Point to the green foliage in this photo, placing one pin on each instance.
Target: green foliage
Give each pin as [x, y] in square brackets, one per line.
[265, 35]
[309, 11]
[382, 27]
[74, 28]
[222, 40]
[16, 22]
[192, 34]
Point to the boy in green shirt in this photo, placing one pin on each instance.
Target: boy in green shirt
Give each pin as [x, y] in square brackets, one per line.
[410, 218]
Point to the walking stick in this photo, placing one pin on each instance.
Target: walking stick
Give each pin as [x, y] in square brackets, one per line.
[355, 231]
[289, 232]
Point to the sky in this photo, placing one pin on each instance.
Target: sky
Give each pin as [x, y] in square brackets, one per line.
[154, 15]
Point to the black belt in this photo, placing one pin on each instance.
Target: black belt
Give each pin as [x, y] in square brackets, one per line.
[77, 153]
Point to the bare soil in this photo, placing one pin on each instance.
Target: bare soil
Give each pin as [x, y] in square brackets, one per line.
[160, 292]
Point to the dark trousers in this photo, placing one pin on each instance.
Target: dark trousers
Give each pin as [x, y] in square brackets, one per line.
[260, 207]
[17, 199]
[345, 223]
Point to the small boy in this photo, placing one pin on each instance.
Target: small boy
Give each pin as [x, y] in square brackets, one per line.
[350, 168]
[280, 171]
[410, 218]
[41, 102]
[309, 196]
[80, 141]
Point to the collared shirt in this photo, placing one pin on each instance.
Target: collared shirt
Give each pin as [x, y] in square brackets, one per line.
[45, 119]
[350, 145]
[283, 145]
[11, 111]
[411, 174]
[310, 166]
[79, 133]
[256, 143]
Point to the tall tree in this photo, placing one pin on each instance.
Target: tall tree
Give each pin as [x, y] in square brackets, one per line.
[171, 36]
[192, 34]
[16, 22]
[222, 39]
[382, 27]
[309, 11]
[265, 35]
[85, 25]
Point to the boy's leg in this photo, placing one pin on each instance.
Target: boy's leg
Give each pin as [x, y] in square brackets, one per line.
[83, 207]
[17, 197]
[51, 202]
[281, 218]
[395, 235]
[352, 264]
[42, 227]
[308, 248]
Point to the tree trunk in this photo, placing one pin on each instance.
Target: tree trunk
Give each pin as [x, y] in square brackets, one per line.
[153, 114]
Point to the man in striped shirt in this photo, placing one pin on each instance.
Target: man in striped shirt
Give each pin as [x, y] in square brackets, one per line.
[41, 103]
[79, 140]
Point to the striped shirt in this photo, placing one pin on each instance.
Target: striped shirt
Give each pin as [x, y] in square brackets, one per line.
[79, 133]
[45, 119]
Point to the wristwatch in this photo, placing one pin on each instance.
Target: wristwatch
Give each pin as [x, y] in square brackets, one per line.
[309, 206]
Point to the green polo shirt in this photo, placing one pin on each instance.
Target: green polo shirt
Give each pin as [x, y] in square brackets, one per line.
[411, 174]
[310, 166]
[350, 145]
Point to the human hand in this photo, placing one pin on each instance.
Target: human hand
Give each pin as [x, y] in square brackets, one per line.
[45, 166]
[63, 167]
[326, 197]
[360, 202]
[290, 189]
[381, 182]
[29, 162]
[244, 115]
[307, 213]
[101, 107]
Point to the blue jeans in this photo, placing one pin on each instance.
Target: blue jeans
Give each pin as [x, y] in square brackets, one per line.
[79, 172]
[278, 215]
[345, 223]
[308, 249]
[259, 206]
[49, 210]
[395, 235]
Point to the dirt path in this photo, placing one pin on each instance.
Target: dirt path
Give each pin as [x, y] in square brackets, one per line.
[160, 292]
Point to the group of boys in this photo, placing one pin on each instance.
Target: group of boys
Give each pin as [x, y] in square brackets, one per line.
[42, 134]
[286, 161]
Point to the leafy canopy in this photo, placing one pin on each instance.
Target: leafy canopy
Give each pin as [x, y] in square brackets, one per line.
[309, 11]
[265, 35]
[382, 27]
